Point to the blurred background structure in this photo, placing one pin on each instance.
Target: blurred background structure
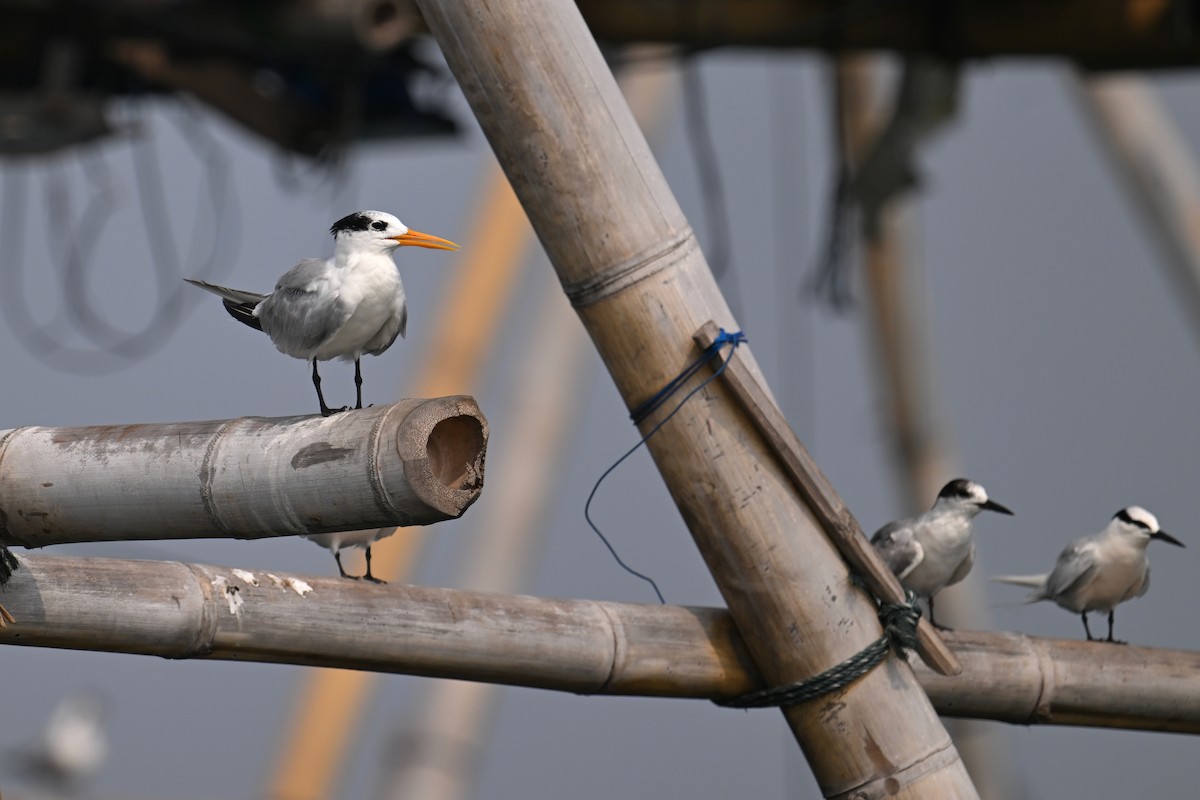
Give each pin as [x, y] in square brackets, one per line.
[986, 299]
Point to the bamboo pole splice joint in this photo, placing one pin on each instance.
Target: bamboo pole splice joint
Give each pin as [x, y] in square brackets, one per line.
[837, 521]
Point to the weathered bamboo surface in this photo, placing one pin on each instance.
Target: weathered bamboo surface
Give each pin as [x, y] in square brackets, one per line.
[626, 257]
[179, 610]
[414, 462]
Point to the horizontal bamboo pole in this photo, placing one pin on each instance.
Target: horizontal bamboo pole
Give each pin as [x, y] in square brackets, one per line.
[179, 610]
[410, 463]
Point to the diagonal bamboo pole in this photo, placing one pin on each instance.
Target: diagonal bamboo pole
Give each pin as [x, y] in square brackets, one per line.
[175, 610]
[629, 262]
[331, 701]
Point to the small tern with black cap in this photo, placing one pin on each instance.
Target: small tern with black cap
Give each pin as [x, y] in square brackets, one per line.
[1101, 571]
[934, 550]
[341, 307]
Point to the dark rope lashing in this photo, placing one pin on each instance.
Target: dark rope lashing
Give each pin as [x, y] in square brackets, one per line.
[899, 635]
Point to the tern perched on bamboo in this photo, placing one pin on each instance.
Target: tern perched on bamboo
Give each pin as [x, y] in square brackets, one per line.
[1101, 571]
[934, 550]
[342, 307]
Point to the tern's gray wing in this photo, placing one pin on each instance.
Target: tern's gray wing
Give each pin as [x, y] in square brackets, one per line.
[304, 310]
[900, 550]
[1075, 567]
[1145, 582]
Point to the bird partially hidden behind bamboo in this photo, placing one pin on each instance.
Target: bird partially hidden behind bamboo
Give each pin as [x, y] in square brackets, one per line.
[8, 565]
[345, 540]
[934, 550]
[1101, 571]
[342, 307]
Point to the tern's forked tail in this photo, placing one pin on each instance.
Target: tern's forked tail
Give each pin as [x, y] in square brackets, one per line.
[239, 303]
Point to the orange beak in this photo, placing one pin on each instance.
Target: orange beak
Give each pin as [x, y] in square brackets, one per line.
[418, 239]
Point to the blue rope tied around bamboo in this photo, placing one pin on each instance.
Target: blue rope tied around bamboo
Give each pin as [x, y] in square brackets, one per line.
[899, 635]
[639, 414]
[664, 394]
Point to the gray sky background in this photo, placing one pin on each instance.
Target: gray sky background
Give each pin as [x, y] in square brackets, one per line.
[1067, 373]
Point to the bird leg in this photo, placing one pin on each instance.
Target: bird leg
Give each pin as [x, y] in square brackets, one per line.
[325, 410]
[369, 576]
[931, 622]
[1110, 627]
[358, 392]
[1086, 629]
[337, 556]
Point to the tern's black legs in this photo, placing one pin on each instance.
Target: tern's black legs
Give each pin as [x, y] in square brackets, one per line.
[337, 556]
[358, 397]
[931, 622]
[369, 576]
[325, 410]
[1110, 627]
[1088, 630]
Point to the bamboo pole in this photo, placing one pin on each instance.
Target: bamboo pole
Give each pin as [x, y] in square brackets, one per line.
[630, 264]
[920, 445]
[1116, 33]
[176, 610]
[1157, 168]
[330, 702]
[414, 462]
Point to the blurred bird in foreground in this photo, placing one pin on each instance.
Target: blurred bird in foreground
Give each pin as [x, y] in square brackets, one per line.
[342, 307]
[1101, 571]
[72, 748]
[934, 550]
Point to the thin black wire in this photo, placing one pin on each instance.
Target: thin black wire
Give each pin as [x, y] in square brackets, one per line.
[587, 506]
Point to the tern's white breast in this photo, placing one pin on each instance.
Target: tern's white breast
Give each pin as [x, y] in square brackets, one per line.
[372, 292]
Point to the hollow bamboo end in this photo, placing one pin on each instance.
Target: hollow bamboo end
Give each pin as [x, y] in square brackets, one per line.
[443, 445]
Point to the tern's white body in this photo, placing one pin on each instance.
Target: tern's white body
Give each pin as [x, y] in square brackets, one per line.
[348, 540]
[343, 307]
[1099, 572]
[355, 299]
[934, 550]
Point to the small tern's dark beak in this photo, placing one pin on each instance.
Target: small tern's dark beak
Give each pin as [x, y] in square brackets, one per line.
[1166, 537]
[992, 505]
[418, 239]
